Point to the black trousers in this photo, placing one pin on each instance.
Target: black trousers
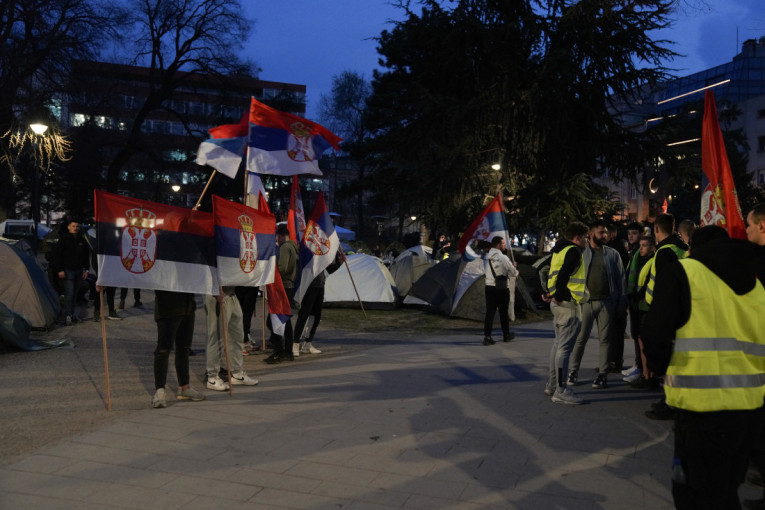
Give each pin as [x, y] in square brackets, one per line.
[714, 449]
[136, 294]
[177, 332]
[248, 298]
[496, 299]
[312, 304]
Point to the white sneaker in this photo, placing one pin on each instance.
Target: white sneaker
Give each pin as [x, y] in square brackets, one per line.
[216, 384]
[629, 371]
[634, 371]
[242, 379]
[566, 397]
[296, 349]
[633, 378]
[159, 399]
[308, 348]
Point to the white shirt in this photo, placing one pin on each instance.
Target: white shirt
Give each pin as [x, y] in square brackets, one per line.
[502, 266]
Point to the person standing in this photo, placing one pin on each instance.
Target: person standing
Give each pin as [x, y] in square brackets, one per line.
[497, 270]
[287, 265]
[227, 304]
[174, 315]
[565, 289]
[647, 247]
[136, 298]
[71, 263]
[606, 298]
[704, 332]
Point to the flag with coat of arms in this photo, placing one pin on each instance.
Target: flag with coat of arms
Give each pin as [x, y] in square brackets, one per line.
[280, 143]
[245, 244]
[317, 249]
[489, 224]
[296, 216]
[146, 245]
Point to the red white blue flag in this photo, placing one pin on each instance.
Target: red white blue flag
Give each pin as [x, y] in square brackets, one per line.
[284, 144]
[245, 244]
[225, 150]
[146, 245]
[489, 224]
[318, 247]
[719, 201]
[278, 305]
[296, 216]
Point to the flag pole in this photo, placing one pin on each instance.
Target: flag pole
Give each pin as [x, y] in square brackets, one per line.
[205, 190]
[354, 288]
[225, 346]
[106, 356]
[263, 320]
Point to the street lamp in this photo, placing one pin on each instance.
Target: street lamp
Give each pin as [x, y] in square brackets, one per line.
[39, 131]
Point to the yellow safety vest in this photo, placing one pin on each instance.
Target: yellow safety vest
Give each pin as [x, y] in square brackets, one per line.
[718, 361]
[648, 271]
[575, 282]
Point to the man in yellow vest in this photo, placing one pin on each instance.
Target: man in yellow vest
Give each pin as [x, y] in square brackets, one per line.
[565, 289]
[704, 331]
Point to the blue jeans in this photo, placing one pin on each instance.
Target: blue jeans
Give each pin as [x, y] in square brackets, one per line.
[72, 284]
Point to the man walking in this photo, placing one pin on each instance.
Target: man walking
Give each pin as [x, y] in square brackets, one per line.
[605, 299]
[565, 289]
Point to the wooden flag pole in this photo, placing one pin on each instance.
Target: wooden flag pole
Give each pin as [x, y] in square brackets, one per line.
[354, 288]
[265, 298]
[199, 202]
[225, 346]
[106, 356]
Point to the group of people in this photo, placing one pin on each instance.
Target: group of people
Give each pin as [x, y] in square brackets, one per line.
[695, 300]
[229, 316]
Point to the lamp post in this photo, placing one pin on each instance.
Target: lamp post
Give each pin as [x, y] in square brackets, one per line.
[39, 131]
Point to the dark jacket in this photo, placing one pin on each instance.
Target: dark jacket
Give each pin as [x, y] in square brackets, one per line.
[287, 263]
[733, 260]
[72, 252]
[168, 304]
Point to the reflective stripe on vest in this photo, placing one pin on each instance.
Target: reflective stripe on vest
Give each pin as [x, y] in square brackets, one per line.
[576, 280]
[718, 361]
[649, 270]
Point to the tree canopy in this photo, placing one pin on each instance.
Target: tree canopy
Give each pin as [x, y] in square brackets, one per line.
[529, 86]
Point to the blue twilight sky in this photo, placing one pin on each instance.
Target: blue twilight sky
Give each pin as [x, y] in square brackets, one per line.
[308, 42]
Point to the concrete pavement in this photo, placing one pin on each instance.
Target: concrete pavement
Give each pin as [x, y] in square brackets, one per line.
[375, 422]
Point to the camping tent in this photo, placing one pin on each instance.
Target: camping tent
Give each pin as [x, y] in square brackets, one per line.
[25, 289]
[345, 234]
[373, 282]
[420, 249]
[408, 269]
[455, 287]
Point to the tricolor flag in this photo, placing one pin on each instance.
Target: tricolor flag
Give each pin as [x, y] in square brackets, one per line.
[284, 144]
[146, 245]
[489, 224]
[318, 247]
[224, 151]
[278, 305]
[255, 185]
[245, 244]
[296, 216]
[719, 201]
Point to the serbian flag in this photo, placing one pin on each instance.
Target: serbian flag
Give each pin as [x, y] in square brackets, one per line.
[145, 245]
[489, 224]
[284, 144]
[278, 305]
[245, 244]
[224, 151]
[296, 216]
[719, 201]
[318, 247]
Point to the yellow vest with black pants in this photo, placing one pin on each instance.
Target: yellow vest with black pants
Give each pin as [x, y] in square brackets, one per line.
[716, 380]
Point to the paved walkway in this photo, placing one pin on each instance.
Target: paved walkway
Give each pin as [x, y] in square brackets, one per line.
[439, 422]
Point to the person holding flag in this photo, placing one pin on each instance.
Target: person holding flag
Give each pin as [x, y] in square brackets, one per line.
[287, 266]
[497, 271]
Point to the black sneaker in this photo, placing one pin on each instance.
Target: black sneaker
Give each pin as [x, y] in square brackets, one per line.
[487, 340]
[508, 337]
[600, 382]
[276, 357]
[573, 377]
[661, 412]
[138, 304]
[96, 318]
[113, 316]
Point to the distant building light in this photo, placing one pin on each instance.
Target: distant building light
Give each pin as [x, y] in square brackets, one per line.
[694, 91]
